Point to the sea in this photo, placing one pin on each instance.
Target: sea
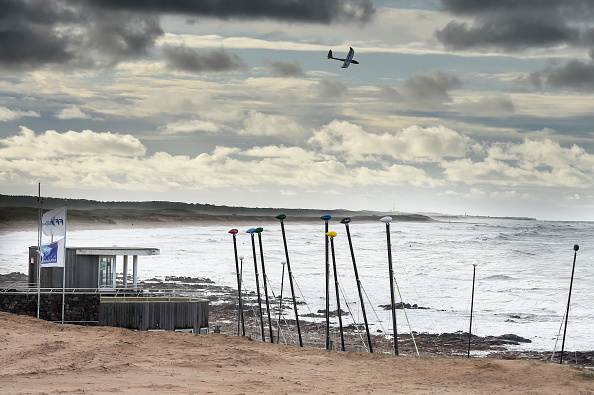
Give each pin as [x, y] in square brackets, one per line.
[520, 271]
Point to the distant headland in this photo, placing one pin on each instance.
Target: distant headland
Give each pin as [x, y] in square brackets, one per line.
[24, 209]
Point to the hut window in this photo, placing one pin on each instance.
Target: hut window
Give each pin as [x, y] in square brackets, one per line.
[106, 272]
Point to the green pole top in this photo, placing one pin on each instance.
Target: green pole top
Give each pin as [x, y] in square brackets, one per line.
[258, 230]
[281, 216]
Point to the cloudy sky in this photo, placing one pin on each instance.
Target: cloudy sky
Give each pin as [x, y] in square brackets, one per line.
[457, 106]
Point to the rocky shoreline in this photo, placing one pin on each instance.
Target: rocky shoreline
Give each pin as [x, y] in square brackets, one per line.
[223, 315]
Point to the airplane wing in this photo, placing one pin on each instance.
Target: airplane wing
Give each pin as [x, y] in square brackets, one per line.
[349, 58]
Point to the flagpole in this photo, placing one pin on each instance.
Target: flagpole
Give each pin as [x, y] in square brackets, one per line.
[40, 205]
[65, 256]
[326, 218]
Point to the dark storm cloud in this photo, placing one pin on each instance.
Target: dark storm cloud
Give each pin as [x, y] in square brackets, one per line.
[35, 33]
[387, 93]
[187, 59]
[331, 89]
[512, 24]
[122, 35]
[93, 33]
[422, 90]
[314, 11]
[574, 75]
[429, 88]
[285, 69]
[27, 36]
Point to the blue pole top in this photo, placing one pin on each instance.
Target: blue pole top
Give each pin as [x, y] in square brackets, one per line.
[325, 217]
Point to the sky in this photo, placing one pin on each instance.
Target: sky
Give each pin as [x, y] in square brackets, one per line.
[456, 106]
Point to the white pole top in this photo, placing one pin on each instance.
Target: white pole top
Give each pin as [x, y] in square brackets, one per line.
[241, 257]
[386, 219]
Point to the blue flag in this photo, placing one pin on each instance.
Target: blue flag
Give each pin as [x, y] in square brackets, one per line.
[52, 254]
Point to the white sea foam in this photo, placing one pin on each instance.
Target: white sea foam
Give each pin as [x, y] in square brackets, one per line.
[522, 277]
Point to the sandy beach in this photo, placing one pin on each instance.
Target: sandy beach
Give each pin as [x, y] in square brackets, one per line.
[39, 357]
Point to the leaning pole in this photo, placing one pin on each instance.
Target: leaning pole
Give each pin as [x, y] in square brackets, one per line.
[346, 222]
[575, 250]
[251, 232]
[471, 307]
[326, 218]
[332, 235]
[281, 217]
[240, 317]
[280, 304]
[259, 232]
[387, 221]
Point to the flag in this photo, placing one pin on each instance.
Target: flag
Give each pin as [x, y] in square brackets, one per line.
[52, 254]
[54, 222]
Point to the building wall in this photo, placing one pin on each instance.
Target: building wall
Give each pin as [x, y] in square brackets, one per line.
[87, 308]
[79, 307]
[82, 271]
[145, 315]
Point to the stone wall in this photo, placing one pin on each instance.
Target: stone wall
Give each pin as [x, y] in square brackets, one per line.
[78, 307]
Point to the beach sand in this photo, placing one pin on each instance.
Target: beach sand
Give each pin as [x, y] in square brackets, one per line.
[41, 357]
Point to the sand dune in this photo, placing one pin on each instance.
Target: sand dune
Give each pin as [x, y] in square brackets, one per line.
[41, 357]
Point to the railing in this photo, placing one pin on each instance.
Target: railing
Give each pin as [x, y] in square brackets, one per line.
[162, 293]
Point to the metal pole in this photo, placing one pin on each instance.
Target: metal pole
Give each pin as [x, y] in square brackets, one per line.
[575, 249]
[280, 303]
[326, 218]
[259, 232]
[332, 235]
[346, 221]
[471, 306]
[240, 315]
[240, 296]
[65, 259]
[39, 238]
[251, 232]
[387, 220]
[281, 217]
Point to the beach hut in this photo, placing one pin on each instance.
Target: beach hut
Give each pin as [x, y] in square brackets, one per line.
[90, 268]
[97, 291]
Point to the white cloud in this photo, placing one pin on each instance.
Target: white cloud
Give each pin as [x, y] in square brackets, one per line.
[72, 112]
[530, 163]
[7, 114]
[411, 144]
[576, 196]
[105, 160]
[508, 195]
[258, 124]
[52, 144]
[190, 126]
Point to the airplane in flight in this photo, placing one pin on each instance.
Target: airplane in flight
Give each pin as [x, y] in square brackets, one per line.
[347, 61]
